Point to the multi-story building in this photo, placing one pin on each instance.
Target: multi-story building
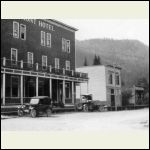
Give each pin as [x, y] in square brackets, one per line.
[104, 84]
[38, 58]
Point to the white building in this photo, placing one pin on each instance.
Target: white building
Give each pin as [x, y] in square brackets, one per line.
[104, 84]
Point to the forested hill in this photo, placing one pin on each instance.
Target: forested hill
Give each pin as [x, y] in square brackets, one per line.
[131, 55]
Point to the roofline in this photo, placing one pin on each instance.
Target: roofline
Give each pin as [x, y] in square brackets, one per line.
[102, 66]
[114, 66]
[61, 24]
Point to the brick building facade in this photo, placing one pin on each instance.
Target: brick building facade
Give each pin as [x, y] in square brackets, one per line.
[38, 58]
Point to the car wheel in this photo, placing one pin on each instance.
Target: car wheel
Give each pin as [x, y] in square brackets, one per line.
[49, 112]
[85, 108]
[101, 109]
[20, 113]
[33, 113]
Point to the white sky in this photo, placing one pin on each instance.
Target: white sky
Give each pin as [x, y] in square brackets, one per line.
[116, 29]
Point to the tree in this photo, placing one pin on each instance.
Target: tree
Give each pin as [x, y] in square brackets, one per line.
[85, 62]
[97, 60]
[144, 83]
[126, 95]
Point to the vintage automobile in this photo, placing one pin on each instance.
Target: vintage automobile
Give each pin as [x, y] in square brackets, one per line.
[88, 104]
[37, 106]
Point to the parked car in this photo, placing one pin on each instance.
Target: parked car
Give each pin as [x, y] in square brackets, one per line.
[37, 106]
[88, 104]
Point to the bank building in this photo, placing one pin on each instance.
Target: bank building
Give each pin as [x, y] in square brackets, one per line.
[38, 59]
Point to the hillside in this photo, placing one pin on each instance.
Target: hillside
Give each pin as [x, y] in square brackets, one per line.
[131, 55]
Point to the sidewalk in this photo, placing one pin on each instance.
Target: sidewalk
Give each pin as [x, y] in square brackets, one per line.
[7, 117]
[9, 109]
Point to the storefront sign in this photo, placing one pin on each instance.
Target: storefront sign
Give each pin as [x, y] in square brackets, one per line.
[41, 24]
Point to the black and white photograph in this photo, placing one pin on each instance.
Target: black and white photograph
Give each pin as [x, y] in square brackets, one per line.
[75, 75]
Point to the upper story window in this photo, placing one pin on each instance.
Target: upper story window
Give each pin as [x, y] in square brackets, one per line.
[67, 65]
[68, 46]
[117, 80]
[42, 38]
[110, 78]
[57, 63]
[65, 45]
[48, 40]
[30, 59]
[44, 62]
[15, 29]
[14, 56]
[23, 31]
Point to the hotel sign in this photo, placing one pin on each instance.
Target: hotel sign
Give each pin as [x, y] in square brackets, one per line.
[40, 23]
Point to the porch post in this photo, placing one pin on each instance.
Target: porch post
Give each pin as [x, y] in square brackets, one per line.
[21, 88]
[37, 86]
[73, 93]
[64, 92]
[87, 87]
[4, 82]
[50, 88]
[80, 91]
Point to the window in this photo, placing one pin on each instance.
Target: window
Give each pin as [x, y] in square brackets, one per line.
[110, 78]
[30, 59]
[67, 65]
[68, 46]
[23, 31]
[117, 79]
[14, 86]
[68, 90]
[65, 45]
[42, 38]
[48, 40]
[57, 63]
[14, 57]
[44, 62]
[15, 29]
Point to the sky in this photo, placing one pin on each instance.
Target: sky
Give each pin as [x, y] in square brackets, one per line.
[116, 29]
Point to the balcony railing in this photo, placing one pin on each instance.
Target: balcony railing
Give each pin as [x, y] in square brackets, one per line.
[39, 68]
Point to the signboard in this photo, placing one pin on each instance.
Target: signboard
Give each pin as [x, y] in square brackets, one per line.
[41, 24]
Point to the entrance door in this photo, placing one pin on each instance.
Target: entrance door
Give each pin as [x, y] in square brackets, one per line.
[60, 94]
[112, 97]
[112, 100]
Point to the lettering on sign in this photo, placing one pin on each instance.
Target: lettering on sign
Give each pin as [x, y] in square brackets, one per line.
[41, 24]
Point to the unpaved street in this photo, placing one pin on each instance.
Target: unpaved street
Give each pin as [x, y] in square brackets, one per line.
[80, 121]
